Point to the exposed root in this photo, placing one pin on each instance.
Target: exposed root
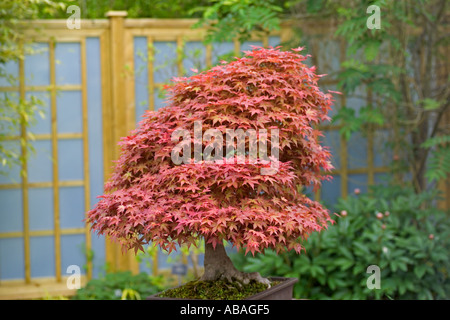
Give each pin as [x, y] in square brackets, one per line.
[244, 278]
[218, 266]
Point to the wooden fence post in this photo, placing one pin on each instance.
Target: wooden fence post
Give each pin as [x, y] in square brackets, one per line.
[119, 117]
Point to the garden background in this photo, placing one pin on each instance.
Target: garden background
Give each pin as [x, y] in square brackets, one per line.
[68, 95]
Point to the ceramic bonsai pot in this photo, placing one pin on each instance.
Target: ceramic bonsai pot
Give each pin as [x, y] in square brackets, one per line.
[280, 291]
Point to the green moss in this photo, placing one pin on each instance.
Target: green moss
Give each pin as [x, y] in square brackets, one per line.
[215, 290]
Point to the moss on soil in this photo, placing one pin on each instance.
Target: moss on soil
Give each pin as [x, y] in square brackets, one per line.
[215, 290]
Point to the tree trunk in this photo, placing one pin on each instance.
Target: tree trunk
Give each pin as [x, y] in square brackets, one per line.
[218, 266]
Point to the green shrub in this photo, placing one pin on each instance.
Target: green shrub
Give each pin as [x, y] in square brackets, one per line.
[120, 286]
[410, 244]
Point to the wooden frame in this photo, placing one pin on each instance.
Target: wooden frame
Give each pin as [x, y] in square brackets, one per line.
[30, 287]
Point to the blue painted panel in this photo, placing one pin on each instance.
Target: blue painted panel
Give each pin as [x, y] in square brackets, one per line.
[12, 262]
[69, 112]
[98, 247]
[41, 125]
[95, 126]
[10, 68]
[383, 154]
[221, 49]
[145, 260]
[37, 67]
[40, 208]
[357, 151]
[355, 100]
[11, 218]
[42, 256]
[165, 66]
[331, 191]
[159, 100]
[195, 57]
[328, 58]
[357, 181]
[68, 63]
[274, 41]
[10, 175]
[40, 165]
[94, 97]
[141, 76]
[71, 206]
[332, 140]
[70, 156]
[72, 252]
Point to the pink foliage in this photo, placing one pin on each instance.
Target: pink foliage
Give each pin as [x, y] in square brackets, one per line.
[150, 199]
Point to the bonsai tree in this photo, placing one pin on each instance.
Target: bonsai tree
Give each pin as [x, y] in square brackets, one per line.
[154, 197]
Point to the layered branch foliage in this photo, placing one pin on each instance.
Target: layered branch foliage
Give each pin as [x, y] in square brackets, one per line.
[150, 199]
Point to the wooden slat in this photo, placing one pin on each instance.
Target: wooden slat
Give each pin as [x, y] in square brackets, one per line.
[60, 136]
[108, 119]
[208, 56]
[370, 146]
[237, 47]
[38, 288]
[85, 135]
[61, 24]
[150, 75]
[48, 184]
[265, 41]
[41, 233]
[116, 260]
[155, 266]
[179, 51]
[160, 23]
[343, 150]
[285, 37]
[118, 100]
[54, 129]
[63, 87]
[24, 175]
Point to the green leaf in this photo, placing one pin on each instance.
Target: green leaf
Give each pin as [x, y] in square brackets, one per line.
[439, 164]
[435, 141]
[371, 115]
[430, 104]
[371, 49]
[420, 270]
[346, 252]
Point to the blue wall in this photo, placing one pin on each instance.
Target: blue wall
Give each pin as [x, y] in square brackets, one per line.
[70, 165]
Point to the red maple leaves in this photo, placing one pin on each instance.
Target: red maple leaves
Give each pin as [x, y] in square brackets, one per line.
[149, 199]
